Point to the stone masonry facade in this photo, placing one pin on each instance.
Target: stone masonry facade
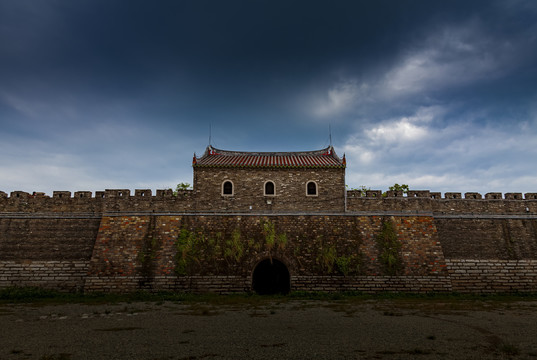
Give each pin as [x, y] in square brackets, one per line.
[290, 190]
[203, 240]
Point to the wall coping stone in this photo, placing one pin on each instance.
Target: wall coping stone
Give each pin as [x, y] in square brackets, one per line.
[348, 213]
[407, 213]
[484, 216]
[49, 215]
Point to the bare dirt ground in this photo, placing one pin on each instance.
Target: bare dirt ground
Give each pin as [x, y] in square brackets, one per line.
[273, 328]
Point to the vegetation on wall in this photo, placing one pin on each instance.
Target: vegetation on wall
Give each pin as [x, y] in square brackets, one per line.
[396, 187]
[326, 258]
[329, 263]
[362, 189]
[272, 239]
[187, 252]
[349, 265]
[194, 248]
[234, 247]
[389, 248]
[198, 252]
[181, 187]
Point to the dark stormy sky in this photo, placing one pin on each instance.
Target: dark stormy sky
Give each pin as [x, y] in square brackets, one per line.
[100, 94]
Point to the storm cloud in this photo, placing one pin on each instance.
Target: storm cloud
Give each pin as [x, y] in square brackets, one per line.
[99, 94]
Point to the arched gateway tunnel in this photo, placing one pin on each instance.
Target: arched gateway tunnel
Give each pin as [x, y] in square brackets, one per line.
[271, 276]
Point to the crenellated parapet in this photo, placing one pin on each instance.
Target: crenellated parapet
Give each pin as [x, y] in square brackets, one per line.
[166, 200]
[451, 203]
[438, 195]
[98, 202]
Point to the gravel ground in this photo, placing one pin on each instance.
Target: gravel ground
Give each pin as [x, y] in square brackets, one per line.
[290, 329]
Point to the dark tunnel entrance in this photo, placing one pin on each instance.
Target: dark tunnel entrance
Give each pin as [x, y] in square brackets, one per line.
[271, 278]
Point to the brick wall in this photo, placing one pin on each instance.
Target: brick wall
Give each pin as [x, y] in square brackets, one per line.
[373, 284]
[492, 238]
[290, 190]
[50, 251]
[103, 243]
[53, 238]
[355, 202]
[308, 238]
[67, 275]
[206, 197]
[492, 275]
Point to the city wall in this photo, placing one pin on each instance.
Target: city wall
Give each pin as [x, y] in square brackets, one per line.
[117, 241]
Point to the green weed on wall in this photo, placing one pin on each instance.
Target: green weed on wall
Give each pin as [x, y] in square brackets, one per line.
[187, 253]
[199, 252]
[272, 239]
[330, 261]
[389, 248]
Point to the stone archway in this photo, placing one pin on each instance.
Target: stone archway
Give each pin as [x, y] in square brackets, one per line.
[271, 277]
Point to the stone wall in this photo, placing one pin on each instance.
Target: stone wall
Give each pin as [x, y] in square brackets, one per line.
[65, 275]
[492, 275]
[451, 203]
[140, 251]
[290, 190]
[249, 192]
[373, 284]
[118, 241]
[493, 238]
[52, 238]
[50, 251]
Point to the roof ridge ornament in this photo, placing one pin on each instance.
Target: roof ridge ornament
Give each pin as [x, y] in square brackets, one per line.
[212, 151]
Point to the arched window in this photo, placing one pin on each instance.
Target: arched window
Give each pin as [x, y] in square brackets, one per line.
[227, 188]
[311, 188]
[270, 188]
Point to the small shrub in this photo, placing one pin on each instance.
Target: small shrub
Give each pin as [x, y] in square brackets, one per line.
[181, 187]
[235, 248]
[269, 230]
[186, 251]
[282, 241]
[343, 264]
[326, 259]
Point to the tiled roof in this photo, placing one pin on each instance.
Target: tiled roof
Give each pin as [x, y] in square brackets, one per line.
[304, 159]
